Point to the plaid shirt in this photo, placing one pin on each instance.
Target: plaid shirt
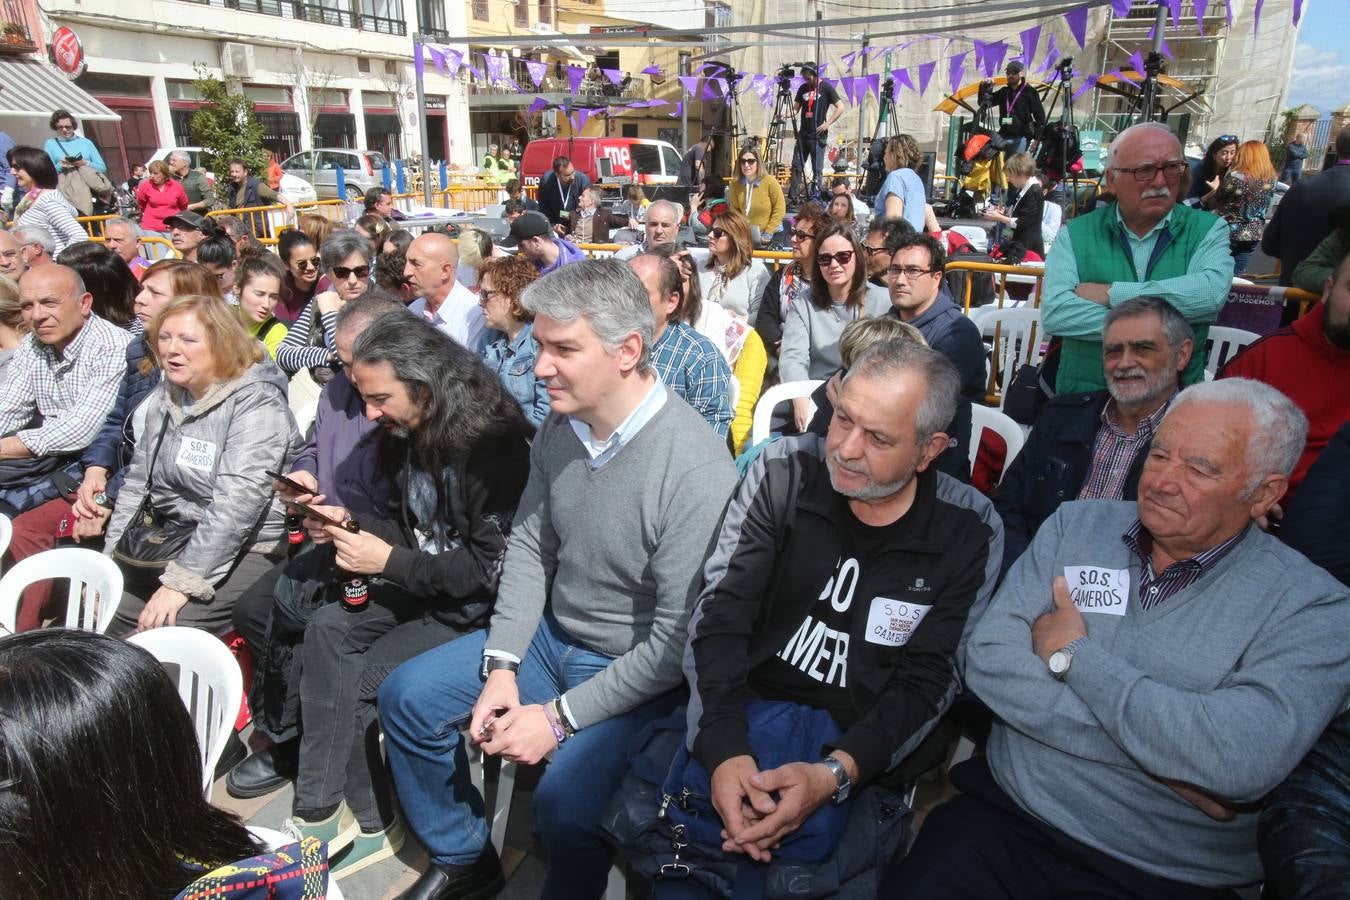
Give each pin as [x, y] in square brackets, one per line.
[690, 364]
[1154, 588]
[1113, 453]
[58, 404]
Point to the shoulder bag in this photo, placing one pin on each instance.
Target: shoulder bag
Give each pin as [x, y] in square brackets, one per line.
[151, 540]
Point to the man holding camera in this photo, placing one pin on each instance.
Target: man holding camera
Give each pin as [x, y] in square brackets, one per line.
[1020, 113]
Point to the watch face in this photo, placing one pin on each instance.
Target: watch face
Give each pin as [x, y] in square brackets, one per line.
[1059, 662]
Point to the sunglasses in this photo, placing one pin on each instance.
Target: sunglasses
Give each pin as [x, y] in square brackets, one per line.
[343, 273]
[872, 251]
[749, 161]
[1228, 138]
[312, 263]
[717, 233]
[799, 235]
[842, 258]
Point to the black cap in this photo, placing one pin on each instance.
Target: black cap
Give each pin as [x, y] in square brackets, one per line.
[188, 219]
[1016, 66]
[527, 225]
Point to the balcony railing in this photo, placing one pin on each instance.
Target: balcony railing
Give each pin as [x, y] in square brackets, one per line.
[344, 15]
[15, 34]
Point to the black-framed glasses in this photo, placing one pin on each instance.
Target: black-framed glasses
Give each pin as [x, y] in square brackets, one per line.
[312, 263]
[1149, 171]
[799, 235]
[842, 258]
[343, 272]
[717, 233]
[872, 251]
[910, 272]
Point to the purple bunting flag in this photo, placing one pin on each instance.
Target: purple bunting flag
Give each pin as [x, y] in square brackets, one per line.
[437, 60]
[873, 85]
[454, 61]
[900, 79]
[926, 75]
[579, 118]
[690, 83]
[1202, 6]
[795, 83]
[979, 54]
[1174, 10]
[708, 92]
[847, 82]
[994, 54]
[539, 104]
[679, 108]
[478, 73]
[1076, 19]
[1256, 22]
[1298, 11]
[1031, 39]
[652, 70]
[1137, 60]
[537, 70]
[1087, 85]
[494, 64]
[1121, 8]
[575, 75]
[1051, 56]
[614, 75]
[848, 59]
[955, 69]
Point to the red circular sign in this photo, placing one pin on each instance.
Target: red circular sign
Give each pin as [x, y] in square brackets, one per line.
[67, 52]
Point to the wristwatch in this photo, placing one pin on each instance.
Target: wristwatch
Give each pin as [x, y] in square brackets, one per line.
[493, 663]
[1062, 658]
[101, 499]
[842, 783]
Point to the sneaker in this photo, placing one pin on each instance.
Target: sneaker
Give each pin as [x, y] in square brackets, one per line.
[338, 830]
[369, 848]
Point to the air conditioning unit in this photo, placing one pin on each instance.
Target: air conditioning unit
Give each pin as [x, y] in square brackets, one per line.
[236, 60]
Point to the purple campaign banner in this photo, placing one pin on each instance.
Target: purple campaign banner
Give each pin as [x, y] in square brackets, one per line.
[926, 75]
[1031, 39]
[1076, 19]
[1254, 308]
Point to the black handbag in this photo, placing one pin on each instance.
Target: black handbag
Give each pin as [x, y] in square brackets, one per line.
[151, 539]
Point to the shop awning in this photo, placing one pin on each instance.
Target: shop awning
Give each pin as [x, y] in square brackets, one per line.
[30, 88]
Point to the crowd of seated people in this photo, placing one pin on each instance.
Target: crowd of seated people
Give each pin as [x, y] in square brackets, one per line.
[514, 521]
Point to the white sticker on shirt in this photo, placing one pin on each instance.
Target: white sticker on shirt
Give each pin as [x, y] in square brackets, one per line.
[197, 454]
[892, 623]
[1098, 590]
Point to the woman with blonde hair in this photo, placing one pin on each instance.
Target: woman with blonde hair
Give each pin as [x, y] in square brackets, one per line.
[12, 324]
[215, 426]
[902, 194]
[730, 276]
[315, 227]
[756, 194]
[1244, 200]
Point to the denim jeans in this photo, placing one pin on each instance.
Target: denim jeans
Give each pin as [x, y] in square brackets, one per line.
[426, 701]
[812, 145]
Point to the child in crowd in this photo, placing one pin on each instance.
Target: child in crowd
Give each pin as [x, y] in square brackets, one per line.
[257, 286]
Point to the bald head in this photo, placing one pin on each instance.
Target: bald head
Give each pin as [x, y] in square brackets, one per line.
[11, 260]
[54, 303]
[431, 262]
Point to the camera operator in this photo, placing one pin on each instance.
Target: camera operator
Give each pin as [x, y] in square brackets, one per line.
[1021, 115]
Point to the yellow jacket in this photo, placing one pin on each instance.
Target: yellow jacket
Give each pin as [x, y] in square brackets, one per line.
[749, 372]
[766, 204]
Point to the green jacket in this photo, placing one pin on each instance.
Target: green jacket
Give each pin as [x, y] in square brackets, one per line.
[1103, 256]
[1313, 272]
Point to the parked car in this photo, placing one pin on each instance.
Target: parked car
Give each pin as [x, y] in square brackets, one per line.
[614, 160]
[361, 170]
[293, 188]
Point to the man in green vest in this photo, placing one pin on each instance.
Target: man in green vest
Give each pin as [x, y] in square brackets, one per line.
[1143, 244]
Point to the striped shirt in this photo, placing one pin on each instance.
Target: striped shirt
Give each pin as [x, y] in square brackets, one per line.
[57, 404]
[1155, 588]
[1114, 451]
[693, 368]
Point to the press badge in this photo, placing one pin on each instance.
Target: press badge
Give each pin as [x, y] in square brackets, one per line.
[893, 622]
[1097, 590]
[197, 454]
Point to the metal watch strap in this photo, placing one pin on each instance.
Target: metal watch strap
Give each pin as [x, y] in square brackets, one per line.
[841, 780]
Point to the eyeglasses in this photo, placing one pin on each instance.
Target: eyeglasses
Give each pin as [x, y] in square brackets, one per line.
[66, 127]
[717, 233]
[485, 295]
[312, 263]
[842, 258]
[870, 251]
[343, 273]
[799, 235]
[910, 272]
[749, 161]
[1148, 171]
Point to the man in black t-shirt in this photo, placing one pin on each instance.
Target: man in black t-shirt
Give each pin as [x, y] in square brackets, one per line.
[1021, 116]
[842, 580]
[814, 118]
[693, 165]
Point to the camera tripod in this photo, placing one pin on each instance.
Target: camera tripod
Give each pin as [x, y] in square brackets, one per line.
[774, 150]
[876, 148]
[1146, 106]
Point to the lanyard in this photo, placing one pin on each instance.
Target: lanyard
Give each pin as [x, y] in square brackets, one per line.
[1013, 102]
[567, 197]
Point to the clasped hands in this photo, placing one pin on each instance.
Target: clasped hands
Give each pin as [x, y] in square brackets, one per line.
[503, 727]
[754, 822]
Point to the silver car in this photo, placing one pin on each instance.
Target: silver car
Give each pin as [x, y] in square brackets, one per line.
[361, 170]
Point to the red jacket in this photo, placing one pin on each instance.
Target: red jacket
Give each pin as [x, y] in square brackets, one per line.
[1299, 361]
[159, 203]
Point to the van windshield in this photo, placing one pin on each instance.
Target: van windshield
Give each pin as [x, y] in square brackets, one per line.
[646, 159]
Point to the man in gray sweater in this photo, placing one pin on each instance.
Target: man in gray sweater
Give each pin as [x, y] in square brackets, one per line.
[626, 488]
[1156, 668]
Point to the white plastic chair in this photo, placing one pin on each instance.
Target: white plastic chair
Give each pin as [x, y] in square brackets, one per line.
[305, 415]
[1016, 339]
[983, 417]
[6, 533]
[1224, 343]
[209, 682]
[95, 586]
[779, 393]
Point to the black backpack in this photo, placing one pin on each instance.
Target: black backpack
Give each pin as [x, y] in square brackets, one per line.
[982, 289]
[1059, 149]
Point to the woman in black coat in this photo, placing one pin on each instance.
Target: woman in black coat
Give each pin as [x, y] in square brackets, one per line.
[1026, 203]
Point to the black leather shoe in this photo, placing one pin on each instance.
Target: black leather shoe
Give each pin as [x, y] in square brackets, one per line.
[477, 881]
[264, 771]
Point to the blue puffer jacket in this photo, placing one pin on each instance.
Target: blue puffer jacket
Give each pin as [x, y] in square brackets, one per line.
[113, 446]
[1305, 826]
